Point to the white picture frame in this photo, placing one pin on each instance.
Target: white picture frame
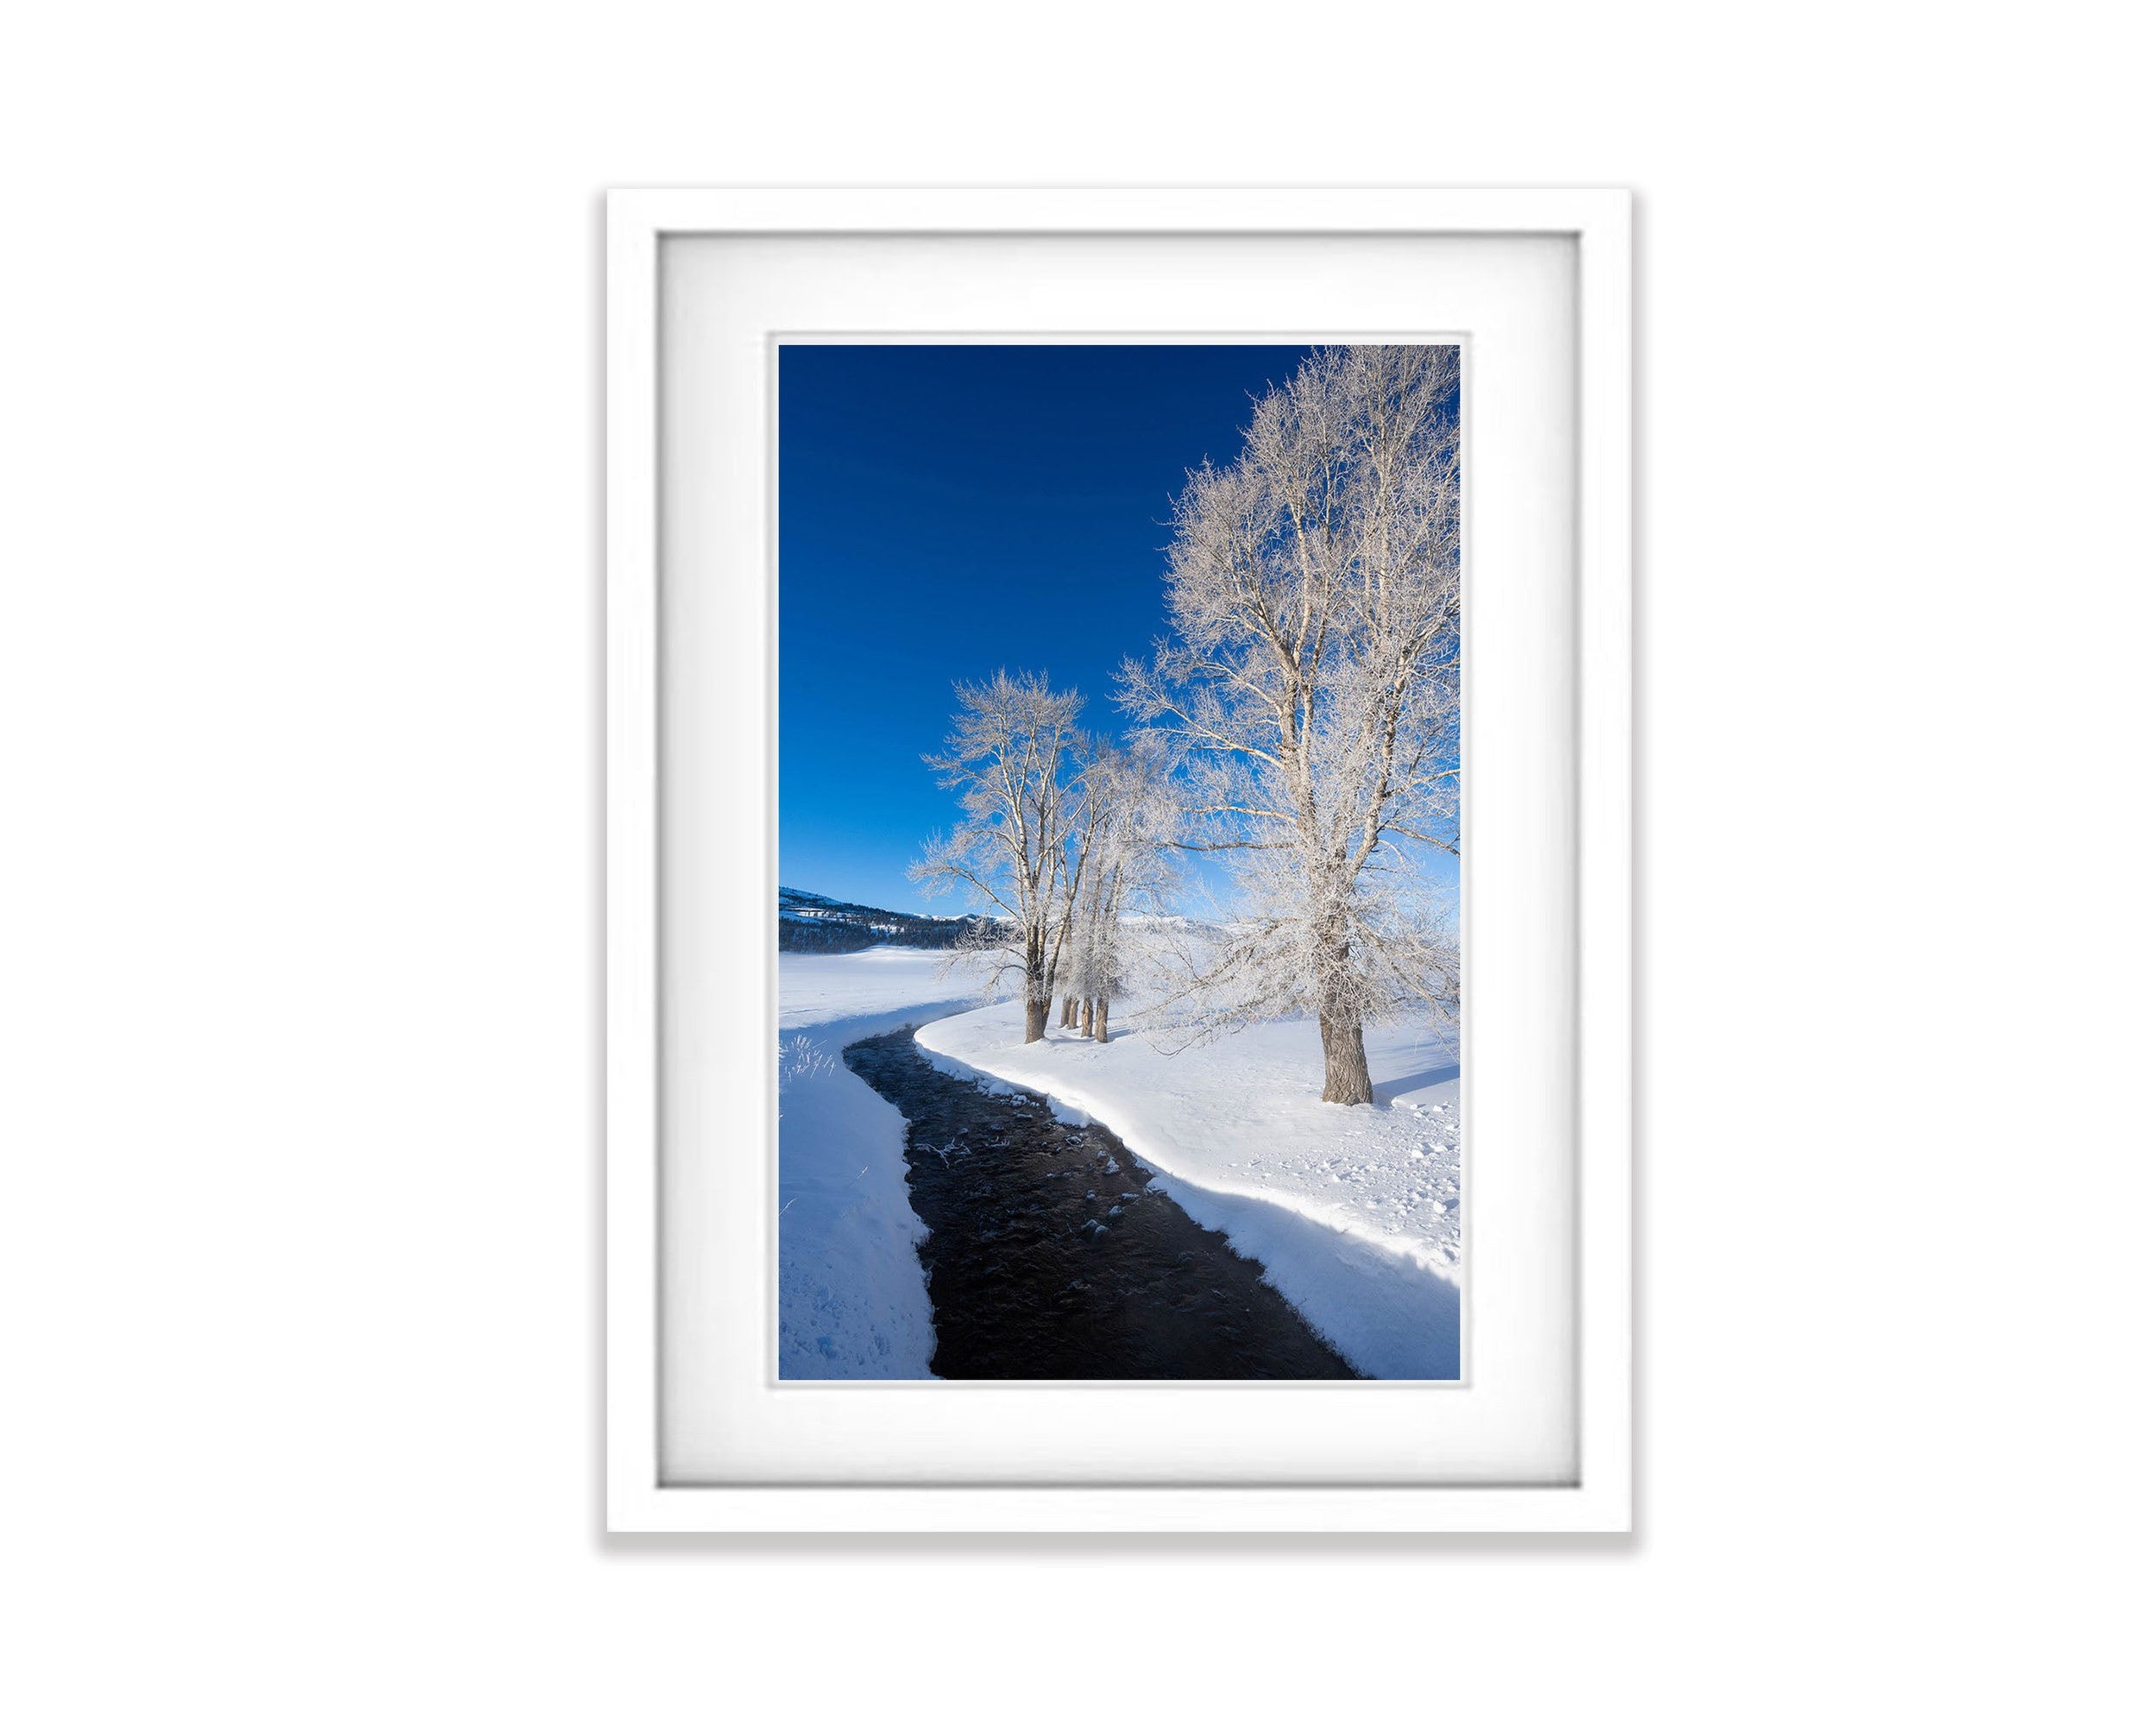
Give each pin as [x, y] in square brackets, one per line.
[1600, 1498]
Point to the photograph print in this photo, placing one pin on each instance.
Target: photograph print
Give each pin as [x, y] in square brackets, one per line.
[1119, 848]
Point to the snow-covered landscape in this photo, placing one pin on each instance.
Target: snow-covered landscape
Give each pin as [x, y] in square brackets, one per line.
[1181, 1093]
[1354, 1215]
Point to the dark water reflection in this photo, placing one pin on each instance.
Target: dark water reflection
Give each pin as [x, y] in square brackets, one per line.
[1051, 1255]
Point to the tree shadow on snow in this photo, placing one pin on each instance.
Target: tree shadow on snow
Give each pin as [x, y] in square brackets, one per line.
[1392, 1089]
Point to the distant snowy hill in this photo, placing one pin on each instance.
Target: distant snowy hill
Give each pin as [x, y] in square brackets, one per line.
[810, 922]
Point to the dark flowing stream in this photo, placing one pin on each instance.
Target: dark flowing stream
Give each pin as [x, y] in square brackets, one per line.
[1050, 1254]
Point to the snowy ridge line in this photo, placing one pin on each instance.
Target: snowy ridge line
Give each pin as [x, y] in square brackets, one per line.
[1074, 1107]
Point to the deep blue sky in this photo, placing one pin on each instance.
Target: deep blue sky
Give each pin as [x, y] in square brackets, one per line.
[946, 510]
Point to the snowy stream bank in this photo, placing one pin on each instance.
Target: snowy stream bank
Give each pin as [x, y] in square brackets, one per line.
[1354, 1213]
[853, 1296]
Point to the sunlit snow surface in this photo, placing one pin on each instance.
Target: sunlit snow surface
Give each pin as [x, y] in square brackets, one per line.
[852, 1297]
[815, 988]
[1355, 1212]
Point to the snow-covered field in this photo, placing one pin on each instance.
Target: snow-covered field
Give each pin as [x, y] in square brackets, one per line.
[1354, 1212]
[819, 988]
[853, 1301]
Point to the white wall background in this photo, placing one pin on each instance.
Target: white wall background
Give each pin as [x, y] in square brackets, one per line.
[298, 361]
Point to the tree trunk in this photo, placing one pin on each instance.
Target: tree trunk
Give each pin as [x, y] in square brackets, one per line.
[1085, 1018]
[1347, 1067]
[1039, 986]
[1100, 1020]
[1070, 1011]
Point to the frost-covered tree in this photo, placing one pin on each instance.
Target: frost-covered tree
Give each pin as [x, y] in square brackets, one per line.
[1009, 758]
[1311, 693]
[1088, 793]
[1128, 862]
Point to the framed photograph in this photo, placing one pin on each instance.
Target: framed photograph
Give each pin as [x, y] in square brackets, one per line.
[1118, 862]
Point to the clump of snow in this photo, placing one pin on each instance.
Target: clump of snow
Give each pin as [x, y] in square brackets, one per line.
[853, 1296]
[1355, 1212]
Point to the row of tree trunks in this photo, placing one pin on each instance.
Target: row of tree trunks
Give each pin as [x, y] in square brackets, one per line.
[1087, 1017]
